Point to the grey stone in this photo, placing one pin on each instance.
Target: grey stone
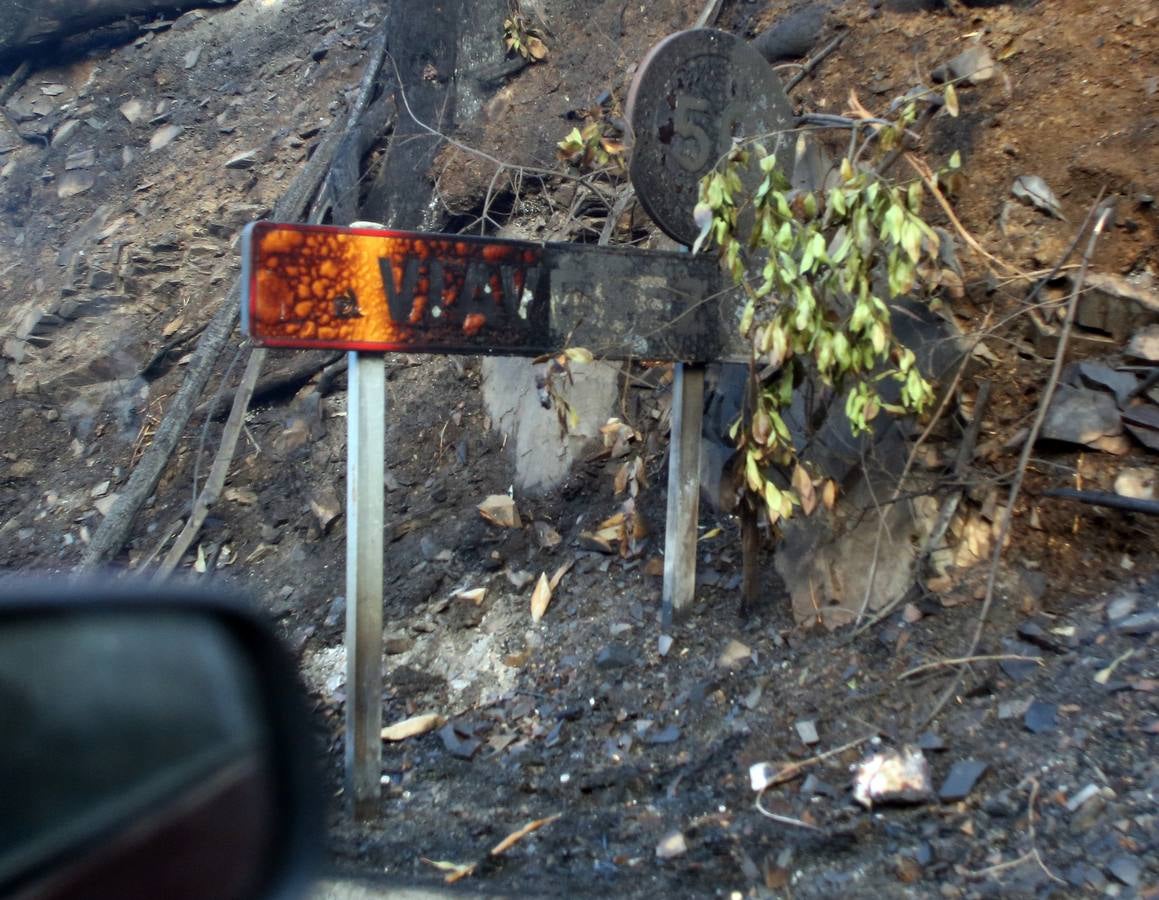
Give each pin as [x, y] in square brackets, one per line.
[971, 66]
[1126, 869]
[961, 780]
[1140, 623]
[1081, 416]
[336, 614]
[542, 459]
[1040, 717]
[615, 656]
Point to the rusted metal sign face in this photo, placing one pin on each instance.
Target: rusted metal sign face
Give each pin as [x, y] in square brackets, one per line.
[696, 92]
[315, 286]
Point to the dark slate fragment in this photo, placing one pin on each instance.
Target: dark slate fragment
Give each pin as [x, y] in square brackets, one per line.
[961, 780]
[1126, 869]
[1018, 669]
[1040, 717]
[614, 656]
[1140, 623]
[463, 747]
[929, 741]
[1033, 633]
[1100, 375]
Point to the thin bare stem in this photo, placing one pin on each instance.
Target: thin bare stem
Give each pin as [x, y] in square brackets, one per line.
[1027, 448]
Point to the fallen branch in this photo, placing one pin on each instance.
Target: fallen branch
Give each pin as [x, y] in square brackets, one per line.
[110, 535]
[964, 660]
[221, 462]
[813, 61]
[279, 383]
[1106, 498]
[1027, 449]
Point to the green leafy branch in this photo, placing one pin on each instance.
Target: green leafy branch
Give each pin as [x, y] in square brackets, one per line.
[829, 262]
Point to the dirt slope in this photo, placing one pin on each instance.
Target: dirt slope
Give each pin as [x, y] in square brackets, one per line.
[118, 222]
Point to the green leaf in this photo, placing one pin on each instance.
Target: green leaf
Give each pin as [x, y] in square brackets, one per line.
[914, 197]
[746, 318]
[911, 240]
[891, 224]
[715, 192]
[752, 472]
[837, 201]
[956, 160]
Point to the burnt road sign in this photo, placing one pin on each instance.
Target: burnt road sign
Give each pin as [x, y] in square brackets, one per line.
[375, 291]
[695, 93]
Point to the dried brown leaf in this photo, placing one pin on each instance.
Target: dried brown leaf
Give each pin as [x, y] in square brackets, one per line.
[803, 485]
[412, 727]
[557, 576]
[540, 597]
[516, 836]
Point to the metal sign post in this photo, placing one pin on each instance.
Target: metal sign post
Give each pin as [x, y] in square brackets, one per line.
[365, 492]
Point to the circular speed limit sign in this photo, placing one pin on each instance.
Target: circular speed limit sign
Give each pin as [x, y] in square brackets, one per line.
[696, 92]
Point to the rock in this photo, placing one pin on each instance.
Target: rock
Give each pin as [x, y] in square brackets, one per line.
[615, 656]
[163, 137]
[74, 183]
[972, 66]
[807, 732]
[399, 642]
[191, 58]
[671, 846]
[459, 745]
[1126, 869]
[1143, 424]
[1040, 717]
[105, 504]
[325, 506]
[1081, 416]
[244, 160]
[542, 459]
[1140, 623]
[791, 36]
[336, 614]
[80, 159]
[1145, 344]
[961, 780]
[892, 776]
[133, 111]
[930, 742]
[664, 644]
[1136, 482]
[734, 654]
[1033, 190]
[1012, 709]
[1100, 375]
[99, 490]
[1122, 606]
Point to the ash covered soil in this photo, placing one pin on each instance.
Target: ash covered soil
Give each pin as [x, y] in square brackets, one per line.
[118, 227]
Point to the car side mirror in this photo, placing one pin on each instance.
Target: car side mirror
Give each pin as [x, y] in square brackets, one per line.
[155, 744]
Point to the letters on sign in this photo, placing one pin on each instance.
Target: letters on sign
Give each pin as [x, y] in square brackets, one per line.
[363, 289]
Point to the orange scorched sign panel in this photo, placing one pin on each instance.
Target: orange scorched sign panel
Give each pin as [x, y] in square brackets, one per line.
[317, 286]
